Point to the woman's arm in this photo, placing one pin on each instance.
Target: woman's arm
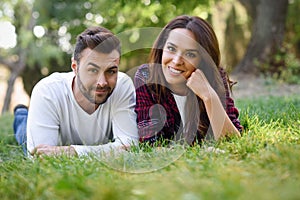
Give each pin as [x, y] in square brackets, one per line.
[219, 120]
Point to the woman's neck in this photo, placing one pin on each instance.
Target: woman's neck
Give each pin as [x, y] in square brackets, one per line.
[181, 90]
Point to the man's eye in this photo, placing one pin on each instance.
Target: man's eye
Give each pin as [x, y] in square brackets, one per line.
[112, 71]
[93, 70]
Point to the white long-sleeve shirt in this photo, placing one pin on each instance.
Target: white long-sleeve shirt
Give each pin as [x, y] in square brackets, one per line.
[55, 118]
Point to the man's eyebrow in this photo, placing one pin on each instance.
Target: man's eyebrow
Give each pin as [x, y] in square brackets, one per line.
[95, 65]
[113, 67]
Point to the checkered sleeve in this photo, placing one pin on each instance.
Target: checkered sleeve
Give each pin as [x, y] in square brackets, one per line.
[231, 110]
[151, 116]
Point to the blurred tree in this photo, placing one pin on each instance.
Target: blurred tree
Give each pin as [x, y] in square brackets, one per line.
[57, 22]
[15, 60]
[131, 20]
[268, 28]
[37, 48]
[293, 27]
[236, 35]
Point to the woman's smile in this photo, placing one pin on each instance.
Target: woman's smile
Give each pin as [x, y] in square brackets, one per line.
[174, 71]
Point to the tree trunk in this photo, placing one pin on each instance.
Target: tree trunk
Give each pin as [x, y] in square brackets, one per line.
[16, 69]
[24, 25]
[9, 91]
[267, 33]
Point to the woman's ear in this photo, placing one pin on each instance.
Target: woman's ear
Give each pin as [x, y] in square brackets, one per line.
[74, 65]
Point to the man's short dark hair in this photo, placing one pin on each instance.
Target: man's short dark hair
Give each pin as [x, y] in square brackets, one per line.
[96, 38]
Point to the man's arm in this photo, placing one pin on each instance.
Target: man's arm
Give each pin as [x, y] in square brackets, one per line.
[49, 150]
[43, 122]
[44, 125]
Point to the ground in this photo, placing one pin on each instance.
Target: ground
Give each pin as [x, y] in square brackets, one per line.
[252, 87]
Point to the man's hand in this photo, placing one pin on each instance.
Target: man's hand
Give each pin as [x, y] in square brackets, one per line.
[48, 150]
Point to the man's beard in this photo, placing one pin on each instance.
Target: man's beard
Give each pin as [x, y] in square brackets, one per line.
[87, 92]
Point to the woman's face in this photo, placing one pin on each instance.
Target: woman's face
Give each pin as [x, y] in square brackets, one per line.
[180, 58]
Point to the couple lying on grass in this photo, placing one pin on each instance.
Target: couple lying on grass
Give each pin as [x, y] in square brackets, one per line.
[182, 94]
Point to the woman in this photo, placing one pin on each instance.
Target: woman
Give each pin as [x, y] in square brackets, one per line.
[183, 93]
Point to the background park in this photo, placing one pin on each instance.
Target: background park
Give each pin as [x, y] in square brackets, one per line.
[260, 47]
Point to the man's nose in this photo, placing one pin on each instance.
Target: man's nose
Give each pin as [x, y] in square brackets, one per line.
[102, 80]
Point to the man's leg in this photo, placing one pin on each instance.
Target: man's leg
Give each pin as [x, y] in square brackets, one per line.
[19, 125]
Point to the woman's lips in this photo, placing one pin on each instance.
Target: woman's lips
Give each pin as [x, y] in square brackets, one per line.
[174, 71]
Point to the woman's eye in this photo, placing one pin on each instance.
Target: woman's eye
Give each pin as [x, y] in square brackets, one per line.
[191, 55]
[170, 48]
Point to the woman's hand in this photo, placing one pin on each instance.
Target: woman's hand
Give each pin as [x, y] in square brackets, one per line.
[198, 83]
[219, 120]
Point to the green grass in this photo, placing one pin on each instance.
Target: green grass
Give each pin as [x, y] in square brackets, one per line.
[263, 164]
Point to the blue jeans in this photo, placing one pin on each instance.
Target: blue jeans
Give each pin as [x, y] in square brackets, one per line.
[19, 126]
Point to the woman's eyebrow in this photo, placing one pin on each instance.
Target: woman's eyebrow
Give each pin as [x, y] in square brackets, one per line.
[172, 44]
[193, 50]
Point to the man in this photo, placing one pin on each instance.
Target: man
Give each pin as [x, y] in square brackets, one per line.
[87, 111]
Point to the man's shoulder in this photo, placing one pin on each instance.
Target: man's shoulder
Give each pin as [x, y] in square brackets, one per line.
[124, 86]
[57, 77]
[122, 75]
[55, 81]
[123, 78]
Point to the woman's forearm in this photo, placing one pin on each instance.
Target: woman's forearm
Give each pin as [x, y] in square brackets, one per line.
[219, 120]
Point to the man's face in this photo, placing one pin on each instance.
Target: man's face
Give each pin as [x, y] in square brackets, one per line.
[96, 75]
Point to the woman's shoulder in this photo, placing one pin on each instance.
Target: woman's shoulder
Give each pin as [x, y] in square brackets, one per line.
[143, 72]
[222, 72]
[142, 75]
[227, 81]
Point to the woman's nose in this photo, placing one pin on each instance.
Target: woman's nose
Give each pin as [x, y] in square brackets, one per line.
[177, 59]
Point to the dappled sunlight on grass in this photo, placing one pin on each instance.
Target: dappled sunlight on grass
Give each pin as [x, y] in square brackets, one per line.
[263, 164]
[143, 160]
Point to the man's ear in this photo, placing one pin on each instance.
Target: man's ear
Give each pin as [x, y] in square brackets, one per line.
[74, 65]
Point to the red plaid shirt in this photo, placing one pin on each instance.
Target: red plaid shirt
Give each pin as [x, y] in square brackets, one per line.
[162, 120]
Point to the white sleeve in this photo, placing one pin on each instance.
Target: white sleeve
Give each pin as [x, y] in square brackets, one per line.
[42, 123]
[123, 120]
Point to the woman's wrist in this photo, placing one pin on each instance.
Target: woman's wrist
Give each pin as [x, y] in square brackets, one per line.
[209, 97]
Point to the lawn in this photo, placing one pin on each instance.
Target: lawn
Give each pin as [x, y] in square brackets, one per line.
[263, 164]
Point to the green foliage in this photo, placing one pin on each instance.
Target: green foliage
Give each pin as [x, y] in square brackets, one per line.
[283, 66]
[262, 164]
[64, 20]
[237, 27]
[293, 26]
[8, 145]
[284, 63]
[291, 73]
[6, 133]
[119, 16]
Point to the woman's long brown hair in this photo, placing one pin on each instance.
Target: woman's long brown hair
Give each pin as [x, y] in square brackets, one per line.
[196, 119]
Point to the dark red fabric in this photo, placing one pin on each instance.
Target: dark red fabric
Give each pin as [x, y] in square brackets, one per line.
[162, 120]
